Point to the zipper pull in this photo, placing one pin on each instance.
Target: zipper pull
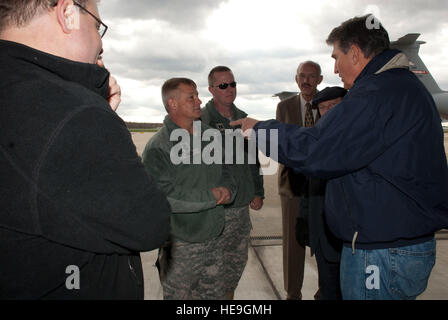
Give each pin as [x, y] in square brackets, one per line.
[353, 242]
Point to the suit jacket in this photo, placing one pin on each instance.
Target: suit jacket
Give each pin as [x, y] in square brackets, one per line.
[291, 184]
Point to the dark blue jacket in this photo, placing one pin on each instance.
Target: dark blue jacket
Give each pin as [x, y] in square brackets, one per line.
[382, 150]
[312, 206]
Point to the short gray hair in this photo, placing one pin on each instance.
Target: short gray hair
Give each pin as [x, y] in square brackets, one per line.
[314, 64]
[172, 85]
[211, 75]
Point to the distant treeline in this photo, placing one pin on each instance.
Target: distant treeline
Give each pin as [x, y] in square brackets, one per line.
[138, 125]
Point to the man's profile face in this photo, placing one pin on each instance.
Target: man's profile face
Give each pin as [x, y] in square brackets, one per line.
[227, 96]
[188, 104]
[343, 66]
[327, 105]
[308, 78]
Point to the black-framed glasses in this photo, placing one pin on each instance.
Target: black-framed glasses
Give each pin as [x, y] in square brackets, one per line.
[102, 28]
[223, 86]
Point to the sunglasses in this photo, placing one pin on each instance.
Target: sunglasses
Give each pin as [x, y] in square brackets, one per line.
[223, 86]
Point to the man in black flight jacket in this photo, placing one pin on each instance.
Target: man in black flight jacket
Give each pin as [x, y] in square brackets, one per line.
[77, 204]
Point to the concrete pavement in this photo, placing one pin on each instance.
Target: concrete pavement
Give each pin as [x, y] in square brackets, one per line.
[263, 276]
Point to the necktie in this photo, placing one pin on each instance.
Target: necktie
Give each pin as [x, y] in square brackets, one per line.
[309, 119]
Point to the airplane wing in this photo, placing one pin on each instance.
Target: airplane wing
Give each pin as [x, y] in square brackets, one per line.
[407, 40]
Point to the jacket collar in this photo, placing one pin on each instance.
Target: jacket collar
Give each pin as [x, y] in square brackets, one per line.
[237, 113]
[399, 61]
[379, 62]
[88, 75]
[170, 124]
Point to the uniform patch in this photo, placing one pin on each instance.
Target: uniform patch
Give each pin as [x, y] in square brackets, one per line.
[220, 127]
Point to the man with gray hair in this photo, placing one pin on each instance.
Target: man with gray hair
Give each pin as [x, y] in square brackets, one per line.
[77, 204]
[381, 150]
[296, 110]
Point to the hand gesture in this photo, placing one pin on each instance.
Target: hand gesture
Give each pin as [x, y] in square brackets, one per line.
[256, 203]
[222, 195]
[114, 97]
[246, 124]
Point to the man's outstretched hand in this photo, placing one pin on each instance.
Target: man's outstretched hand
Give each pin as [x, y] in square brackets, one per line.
[246, 124]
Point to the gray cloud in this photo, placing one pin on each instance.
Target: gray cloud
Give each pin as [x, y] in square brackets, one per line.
[166, 41]
[179, 13]
[144, 68]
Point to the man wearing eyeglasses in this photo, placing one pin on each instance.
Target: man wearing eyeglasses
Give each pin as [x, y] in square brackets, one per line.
[218, 113]
[296, 110]
[77, 204]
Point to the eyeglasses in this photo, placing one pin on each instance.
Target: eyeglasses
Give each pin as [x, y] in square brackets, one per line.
[223, 86]
[101, 27]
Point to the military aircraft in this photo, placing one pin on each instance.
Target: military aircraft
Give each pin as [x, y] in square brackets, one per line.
[410, 46]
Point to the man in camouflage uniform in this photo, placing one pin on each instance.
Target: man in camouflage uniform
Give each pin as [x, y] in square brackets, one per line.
[235, 239]
[191, 263]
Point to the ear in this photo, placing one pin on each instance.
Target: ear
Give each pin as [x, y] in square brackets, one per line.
[68, 15]
[355, 53]
[297, 79]
[210, 89]
[172, 104]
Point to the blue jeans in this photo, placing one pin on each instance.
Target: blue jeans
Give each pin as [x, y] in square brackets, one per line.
[387, 274]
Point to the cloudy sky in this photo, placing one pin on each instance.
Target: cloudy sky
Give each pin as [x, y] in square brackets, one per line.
[262, 41]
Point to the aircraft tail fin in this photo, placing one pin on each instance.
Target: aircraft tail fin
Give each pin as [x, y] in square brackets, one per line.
[411, 47]
[284, 95]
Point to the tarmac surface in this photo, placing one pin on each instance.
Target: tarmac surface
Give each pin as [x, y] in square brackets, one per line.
[263, 277]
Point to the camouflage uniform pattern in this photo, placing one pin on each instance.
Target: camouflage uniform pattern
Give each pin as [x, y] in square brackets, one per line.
[234, 243]
[192, 271]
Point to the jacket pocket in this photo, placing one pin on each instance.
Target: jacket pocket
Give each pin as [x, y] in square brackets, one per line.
[411, 267]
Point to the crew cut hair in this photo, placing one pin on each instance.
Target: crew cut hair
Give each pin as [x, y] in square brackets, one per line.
[18, 13]
[170, 86]
[211, 75]
[370, 37]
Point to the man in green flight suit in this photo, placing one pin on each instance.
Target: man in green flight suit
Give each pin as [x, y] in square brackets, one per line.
[218, 112]
[191, 263]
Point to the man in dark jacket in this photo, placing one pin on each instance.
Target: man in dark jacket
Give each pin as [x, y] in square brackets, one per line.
[77, 204]
[323, 244]
[382, 150]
